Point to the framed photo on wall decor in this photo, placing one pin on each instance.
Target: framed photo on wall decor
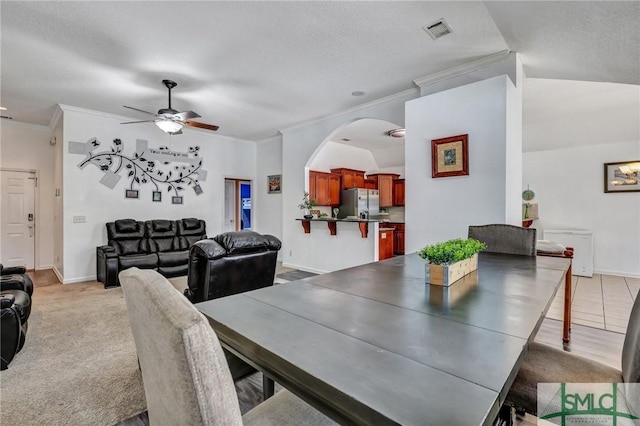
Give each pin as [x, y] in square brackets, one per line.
[623, 176]
[274, 184]
[450, 156]
[131, 193]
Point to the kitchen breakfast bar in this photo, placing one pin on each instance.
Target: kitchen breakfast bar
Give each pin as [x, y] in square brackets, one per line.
[387, 237]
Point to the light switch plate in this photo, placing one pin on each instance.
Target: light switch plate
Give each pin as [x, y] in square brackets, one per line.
[79, 219]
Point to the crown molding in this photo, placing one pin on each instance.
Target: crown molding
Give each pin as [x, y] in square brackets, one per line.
[57, 116]
[24, 125]
[70, 108]
[467, 67]
[409, 94]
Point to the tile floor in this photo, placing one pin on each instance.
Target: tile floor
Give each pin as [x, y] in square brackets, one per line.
[603, 301]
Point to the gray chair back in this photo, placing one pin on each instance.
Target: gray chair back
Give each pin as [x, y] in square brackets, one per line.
[508, 239]
[184, 371]
[631, 347]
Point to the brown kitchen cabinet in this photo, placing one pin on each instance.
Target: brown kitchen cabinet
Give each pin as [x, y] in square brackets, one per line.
[398, 238]
[350, 178]
[324, 188]
[334, 189]
[384, 182]
[398, 192]
[385, 243]
[312, 185]
[370, 184]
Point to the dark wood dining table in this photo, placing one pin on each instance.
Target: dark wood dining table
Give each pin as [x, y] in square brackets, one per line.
[374, 344]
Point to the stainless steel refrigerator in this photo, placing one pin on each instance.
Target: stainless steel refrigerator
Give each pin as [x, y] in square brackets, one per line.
[357, 202]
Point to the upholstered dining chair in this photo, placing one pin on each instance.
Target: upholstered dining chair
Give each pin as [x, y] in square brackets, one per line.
[544, 364]
[502, 238]
[185, 375]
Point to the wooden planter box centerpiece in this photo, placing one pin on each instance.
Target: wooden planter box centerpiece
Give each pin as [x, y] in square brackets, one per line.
[449, 261]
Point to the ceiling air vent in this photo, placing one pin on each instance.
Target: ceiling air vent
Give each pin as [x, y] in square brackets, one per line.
[437, 29]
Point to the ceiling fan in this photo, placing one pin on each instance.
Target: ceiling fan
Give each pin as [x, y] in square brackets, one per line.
[170, 120]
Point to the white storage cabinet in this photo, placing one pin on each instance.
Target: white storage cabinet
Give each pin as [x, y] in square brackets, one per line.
[582, 243]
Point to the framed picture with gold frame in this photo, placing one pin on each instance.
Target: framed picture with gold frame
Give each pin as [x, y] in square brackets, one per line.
[274, 184]
[450, 156]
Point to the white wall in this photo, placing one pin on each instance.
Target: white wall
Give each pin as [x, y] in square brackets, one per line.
[83, 194]
[443, 208]
[571, 129]
[390, 159]
[27, 147]
[317, 250]
[399, 170]
[570, 193]
[335, 155]
[267, 216]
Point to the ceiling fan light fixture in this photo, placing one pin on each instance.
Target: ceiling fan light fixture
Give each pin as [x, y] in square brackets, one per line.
[169, 126]
[397, 133]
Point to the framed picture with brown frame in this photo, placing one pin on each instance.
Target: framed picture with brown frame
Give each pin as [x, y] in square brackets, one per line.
[450, 156]
[623, 176]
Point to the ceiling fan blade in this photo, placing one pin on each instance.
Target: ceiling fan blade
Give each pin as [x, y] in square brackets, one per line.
[186, 115]
[141, 110]
[202, 125]
[142, 121]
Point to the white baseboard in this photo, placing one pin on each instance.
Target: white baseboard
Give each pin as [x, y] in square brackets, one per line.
[79, 280]
[58, 274]
[44, 267]
[617, 273]
[303, 268]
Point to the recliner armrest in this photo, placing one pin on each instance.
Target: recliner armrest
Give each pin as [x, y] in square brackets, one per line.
[107, 266]
[7, 300]
[107, 251]
[209, 249]
[12, 270]
[272, 242]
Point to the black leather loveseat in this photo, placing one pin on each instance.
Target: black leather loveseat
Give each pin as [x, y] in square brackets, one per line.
[231, 263]
[162, 245]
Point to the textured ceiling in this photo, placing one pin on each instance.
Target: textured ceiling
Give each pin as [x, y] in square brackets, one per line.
[256, 67]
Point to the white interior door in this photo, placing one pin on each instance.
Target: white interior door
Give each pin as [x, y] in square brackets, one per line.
[229, 205]
[18, 218]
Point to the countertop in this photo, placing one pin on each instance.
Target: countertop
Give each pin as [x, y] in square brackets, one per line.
[330, 219]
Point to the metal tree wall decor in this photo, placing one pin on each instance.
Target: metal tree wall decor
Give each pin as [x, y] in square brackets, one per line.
[147, 166]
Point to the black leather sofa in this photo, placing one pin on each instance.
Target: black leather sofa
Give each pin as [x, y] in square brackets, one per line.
[162, 245]
[16, 289]
[231, 263]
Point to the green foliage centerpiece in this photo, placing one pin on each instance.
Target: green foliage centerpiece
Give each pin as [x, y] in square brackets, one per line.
[449, 261]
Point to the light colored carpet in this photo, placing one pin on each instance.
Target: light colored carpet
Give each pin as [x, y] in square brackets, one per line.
[79, 363]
